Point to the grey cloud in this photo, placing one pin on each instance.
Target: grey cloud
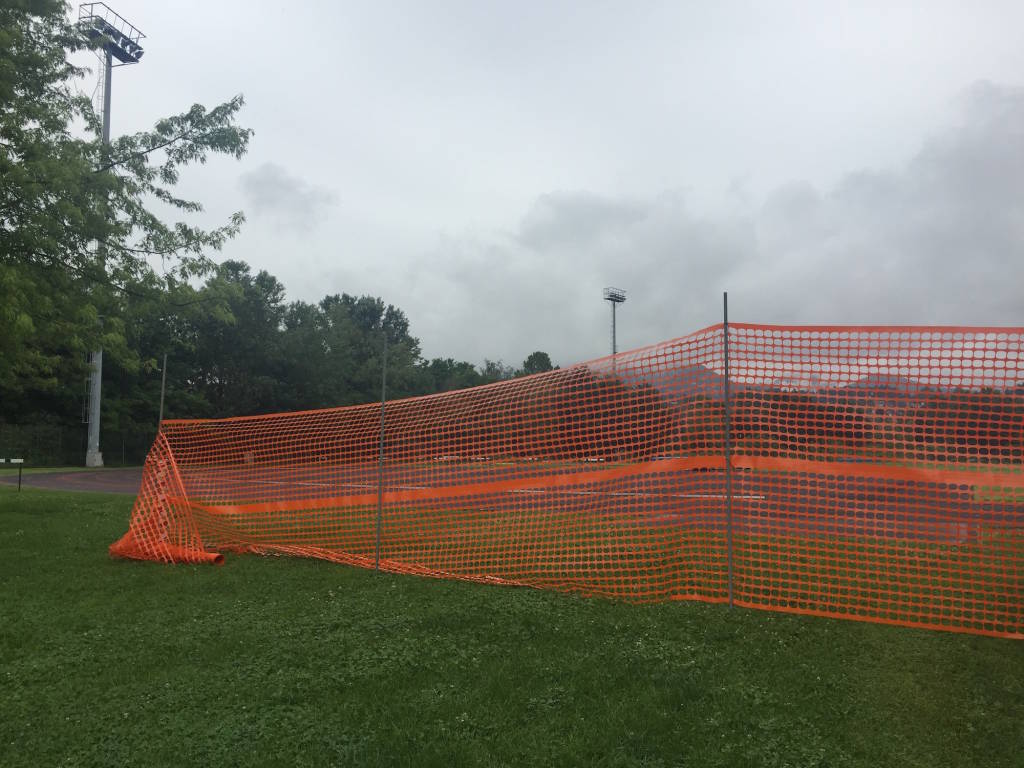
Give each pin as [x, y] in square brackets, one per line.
[939, 240]
[270, 191]
[575, 219]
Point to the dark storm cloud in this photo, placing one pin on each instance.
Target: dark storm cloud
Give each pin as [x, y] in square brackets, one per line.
[940, 240]
[270, 191]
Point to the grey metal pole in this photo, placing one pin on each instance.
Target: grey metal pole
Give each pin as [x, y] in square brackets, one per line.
[728, 439]
[108, 71]
[380, 456]
[163, 387]
[615, 348]
[93, 457]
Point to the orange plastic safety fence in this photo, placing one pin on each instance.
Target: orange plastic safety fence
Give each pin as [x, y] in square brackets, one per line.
[876, 474]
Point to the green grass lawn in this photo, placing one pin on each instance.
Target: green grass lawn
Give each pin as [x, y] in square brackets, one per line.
[276, 661]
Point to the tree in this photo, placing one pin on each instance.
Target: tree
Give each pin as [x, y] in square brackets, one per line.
[236, 362]
[354, 345]
[495, 370]
[445, 374]
[537, 362]
[64, 191]
[36, 310]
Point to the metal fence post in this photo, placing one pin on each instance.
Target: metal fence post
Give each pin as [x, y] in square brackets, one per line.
[380, 456]
[163, 387]
[728, 439]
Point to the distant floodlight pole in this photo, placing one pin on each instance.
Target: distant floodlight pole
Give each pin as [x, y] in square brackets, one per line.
[117, 39]
[614, 296]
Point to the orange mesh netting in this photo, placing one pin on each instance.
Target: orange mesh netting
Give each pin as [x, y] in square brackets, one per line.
[872, 473]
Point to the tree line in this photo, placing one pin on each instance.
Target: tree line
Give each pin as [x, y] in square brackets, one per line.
[234, 345]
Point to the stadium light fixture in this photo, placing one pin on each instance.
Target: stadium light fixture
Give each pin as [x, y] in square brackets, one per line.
[120, 40]
[614, 296]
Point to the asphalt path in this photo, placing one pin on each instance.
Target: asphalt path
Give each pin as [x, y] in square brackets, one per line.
[125, 480]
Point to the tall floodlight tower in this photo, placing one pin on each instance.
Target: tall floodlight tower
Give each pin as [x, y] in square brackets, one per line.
[614, 296]
[117, 39]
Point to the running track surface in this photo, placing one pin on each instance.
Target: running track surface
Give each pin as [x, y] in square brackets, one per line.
[868, 505]
[102, 480]
[794, 506]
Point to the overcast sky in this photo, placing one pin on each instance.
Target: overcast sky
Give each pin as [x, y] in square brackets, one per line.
[490, 167]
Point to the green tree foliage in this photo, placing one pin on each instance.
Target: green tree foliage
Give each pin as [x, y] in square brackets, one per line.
[77, 225]
[496, 370]
[537, 362]
[236, 359]
[443, 374]
[237, 346]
